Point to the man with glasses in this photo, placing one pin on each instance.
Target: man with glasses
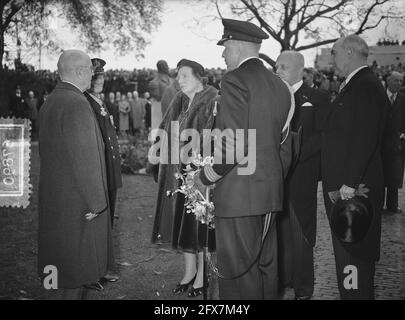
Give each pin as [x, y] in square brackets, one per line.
[74, 222]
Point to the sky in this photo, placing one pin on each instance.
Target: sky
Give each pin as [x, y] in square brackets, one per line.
[176, 39]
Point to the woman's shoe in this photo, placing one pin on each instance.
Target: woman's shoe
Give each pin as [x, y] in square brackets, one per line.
[195, 292]
[181, 288]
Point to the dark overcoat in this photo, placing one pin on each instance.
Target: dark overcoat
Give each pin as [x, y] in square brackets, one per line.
[200, 117]
[252, 98]
[351, 150]
[72, 183]
[393, 147]
[302, 181]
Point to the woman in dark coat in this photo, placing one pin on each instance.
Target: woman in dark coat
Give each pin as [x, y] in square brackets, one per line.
[193, 108]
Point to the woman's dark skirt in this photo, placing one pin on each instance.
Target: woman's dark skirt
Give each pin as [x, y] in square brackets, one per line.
[189, 234]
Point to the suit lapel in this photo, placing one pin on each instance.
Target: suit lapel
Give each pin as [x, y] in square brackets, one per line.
[352, 83]
[302, 95]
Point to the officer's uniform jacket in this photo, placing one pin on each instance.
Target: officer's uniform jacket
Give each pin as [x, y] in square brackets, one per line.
[252, 97]
[108, 131]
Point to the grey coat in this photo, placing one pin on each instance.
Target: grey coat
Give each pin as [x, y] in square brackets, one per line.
[72, 183]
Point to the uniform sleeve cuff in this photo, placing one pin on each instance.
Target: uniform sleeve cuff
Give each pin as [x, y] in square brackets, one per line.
[102, 211]
[208, 176]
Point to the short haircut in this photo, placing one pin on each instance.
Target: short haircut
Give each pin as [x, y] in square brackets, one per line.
[357, 44]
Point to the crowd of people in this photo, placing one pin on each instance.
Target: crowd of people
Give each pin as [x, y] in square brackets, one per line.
[345, 128]
[389, 42]
[130, 90]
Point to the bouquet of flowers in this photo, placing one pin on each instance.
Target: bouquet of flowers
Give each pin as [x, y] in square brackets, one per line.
[196, 202]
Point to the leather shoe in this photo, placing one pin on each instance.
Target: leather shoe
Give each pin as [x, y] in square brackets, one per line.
[302, 298]
[110, 277]
[95, 286]
[393, 210]
[181, 288]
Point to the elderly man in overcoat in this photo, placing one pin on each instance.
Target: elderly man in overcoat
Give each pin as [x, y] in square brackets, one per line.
[74, 220]
[297, 228]
[394, 142]
[252, 98]
[351, 156]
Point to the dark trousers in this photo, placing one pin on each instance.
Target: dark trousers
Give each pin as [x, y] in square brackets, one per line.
[343, 259]
[391, 199]
[238, 242]
[112, 197]
[296, 256]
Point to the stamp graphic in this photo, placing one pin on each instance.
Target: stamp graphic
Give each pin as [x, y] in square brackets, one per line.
[14, 162]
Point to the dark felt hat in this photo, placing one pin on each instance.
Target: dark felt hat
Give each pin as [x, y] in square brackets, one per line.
[241, 30]
[350, 220]
[98, 65]
[197, 68]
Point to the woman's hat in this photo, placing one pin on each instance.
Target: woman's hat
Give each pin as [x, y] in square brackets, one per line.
[351, 219]
[197, 68]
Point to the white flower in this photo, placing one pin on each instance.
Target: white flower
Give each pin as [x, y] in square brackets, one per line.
[199, 209]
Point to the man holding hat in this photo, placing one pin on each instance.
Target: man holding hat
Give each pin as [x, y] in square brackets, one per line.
[255, 100]
[109, 133]
[351, 157]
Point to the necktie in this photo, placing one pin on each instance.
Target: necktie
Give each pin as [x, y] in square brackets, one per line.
[392, 98]
[342, 85]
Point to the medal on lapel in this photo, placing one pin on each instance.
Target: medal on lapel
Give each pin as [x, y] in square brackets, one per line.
[103, 112]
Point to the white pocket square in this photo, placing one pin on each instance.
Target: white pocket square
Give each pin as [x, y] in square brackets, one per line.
[307, 104]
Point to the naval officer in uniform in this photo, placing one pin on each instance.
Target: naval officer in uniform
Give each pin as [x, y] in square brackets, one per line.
[109, 133]
[252, 97]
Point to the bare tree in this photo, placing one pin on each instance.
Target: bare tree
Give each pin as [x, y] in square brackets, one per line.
[124, 24]
[319, 22]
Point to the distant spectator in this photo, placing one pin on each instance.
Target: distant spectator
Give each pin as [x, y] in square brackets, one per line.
[112, 107]
[161, 81]
[31, 111]
[148, 111]
[380, 77]
[308, 77]
[43, 99]
[138, 113]
[17, 104]
[124, 108]
[130, 99]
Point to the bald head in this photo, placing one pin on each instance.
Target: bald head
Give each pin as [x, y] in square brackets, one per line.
[75, 66]
[290, 66]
